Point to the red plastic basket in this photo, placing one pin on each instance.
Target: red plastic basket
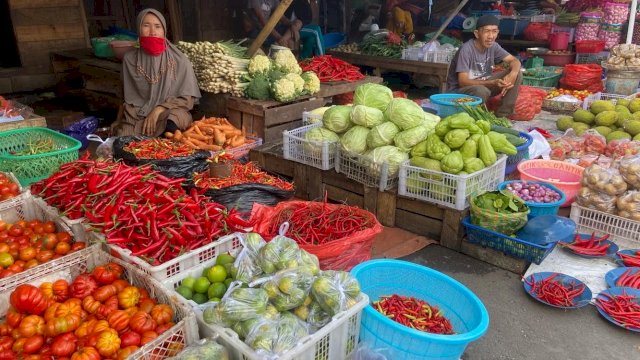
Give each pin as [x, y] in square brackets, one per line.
[589, 46]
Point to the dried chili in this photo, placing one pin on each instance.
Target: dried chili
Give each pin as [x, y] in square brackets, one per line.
[158, 149]
[329, 69]
[554, 291]
[624, 309]
[414, 313]
[590, 247]
[248, 173]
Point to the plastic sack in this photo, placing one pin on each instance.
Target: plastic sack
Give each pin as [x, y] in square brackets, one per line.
[528, 104]
[582, 77]
[81, 129]
[13, 109]
[282, 253]
[335, 291]
[244, 196]
[596, 200]
[592, 159]
[245, 268]
[269, 338]
[240, 304]
[287, 289]
[363, 352]
[178, 167]
[339, 254]
[243, 328]
[539, 146]
[538, 31]
[629, 205]
[203, 349]
[622, 147]
[607, 181]
[316, 316]
[504, 223]
[105, 149]
[629, 167]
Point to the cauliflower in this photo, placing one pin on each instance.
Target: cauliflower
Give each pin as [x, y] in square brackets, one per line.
[286, 61]
[298, 82]
[259, 64]
[311, 82]
[283, 90]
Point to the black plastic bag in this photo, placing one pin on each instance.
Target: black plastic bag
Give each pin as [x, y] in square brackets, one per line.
[243, 196]
[178, 167]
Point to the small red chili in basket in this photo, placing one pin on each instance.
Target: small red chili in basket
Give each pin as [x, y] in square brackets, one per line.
[414, 313]
[158, 149]
[248, 173]
[555, 292]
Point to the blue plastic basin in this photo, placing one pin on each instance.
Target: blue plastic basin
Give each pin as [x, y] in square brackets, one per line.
[334, 39]
[468, 315]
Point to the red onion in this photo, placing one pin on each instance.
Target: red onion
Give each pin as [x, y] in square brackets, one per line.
[534, 193]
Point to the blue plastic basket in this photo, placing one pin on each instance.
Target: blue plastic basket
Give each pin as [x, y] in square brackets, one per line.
[538, 209]
[523, 154]
[447, 107]
[334, 39]
[513, 26]
[510, 246]
[468, 315]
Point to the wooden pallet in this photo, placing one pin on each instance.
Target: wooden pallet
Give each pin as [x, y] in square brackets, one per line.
[268, 119]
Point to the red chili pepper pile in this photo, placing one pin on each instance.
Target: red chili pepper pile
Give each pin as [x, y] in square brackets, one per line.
[624, 309]
[591, 247]
[414, 313]
[629, 280]
[158, 149]
[630, 260]
[314, 224]
[329, 68]
[137, 208]
[554, 291]
[248, 173]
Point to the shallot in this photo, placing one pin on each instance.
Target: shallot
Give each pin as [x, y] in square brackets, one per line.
[588, 26]
[533, 193]
[616, 13]
[611, 34]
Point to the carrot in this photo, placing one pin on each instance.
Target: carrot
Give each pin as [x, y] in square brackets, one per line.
[232, 133]
[197, 137]
[219, 137]
[205, 146]
[178, 135]
[168, 135]
[197, 129]
[238, 140]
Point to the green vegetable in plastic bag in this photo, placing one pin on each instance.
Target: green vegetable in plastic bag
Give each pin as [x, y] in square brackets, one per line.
[335, 291]
[366, 116]
[382, 135]
[288, 289]
[245, 268]
[203, 349]
[279, 253]
[273, 337]
[240, 304]
[317, 317]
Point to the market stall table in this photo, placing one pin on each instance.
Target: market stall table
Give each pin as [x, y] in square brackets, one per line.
[32, 121]
[334, 88]
[438, 70]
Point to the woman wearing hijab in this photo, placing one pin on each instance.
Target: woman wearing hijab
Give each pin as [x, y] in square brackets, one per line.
[400, 22]
[160, 87]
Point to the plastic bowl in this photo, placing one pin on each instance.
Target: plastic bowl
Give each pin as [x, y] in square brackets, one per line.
[334, 39]
[467, 313]
[121, 47]
[446, 105]
[538, 209]
[564, 176]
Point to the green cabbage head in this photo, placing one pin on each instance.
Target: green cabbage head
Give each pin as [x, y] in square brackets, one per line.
[337, 118]
[407, 139]
[382, 135]
[405, 113]
[355, 140]
[389, 154]
[315, 137]
[366, 116]
[373, 95]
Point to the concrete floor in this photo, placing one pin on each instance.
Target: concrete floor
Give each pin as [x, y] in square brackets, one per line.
[522, 328]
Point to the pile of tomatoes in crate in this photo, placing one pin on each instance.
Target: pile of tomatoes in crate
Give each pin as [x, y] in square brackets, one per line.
[578, 94]
[26, 244]
[99, 315]
[8, 188]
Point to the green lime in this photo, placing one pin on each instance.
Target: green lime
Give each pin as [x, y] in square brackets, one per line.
[225, 259]
[205, 271]
[188, 282]
[185, 292]
[216, 290]
[217, 274]
[227, 282]
[214, 299]
[200, 298]
[201, 285]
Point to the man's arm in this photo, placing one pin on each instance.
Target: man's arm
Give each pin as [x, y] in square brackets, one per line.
[463, 80]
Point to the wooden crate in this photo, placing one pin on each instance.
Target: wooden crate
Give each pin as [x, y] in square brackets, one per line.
[419, 217]
[33, 121]
[267, 119]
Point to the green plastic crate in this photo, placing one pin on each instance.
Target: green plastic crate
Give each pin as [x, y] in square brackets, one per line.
[31, 168]
[547, 76]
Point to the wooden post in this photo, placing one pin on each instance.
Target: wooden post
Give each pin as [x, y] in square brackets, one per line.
[268, 27]
[175, 19]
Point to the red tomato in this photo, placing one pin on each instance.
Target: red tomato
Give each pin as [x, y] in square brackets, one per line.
[33, 344]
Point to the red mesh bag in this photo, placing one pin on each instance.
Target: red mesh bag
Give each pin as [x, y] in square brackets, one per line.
[582, 77]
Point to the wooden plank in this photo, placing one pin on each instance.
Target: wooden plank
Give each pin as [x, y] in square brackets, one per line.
[494, 257]
[290, 112]
[46, 16]
[343, 196]
[5, 85]
[275, 133]
[300, 180]
[39, 52]
[315, 189]
[370, 202]
[255, 107]
[32, 121]
[339, 180]
[418, 224]
[279, 166]
[23, 4]
[175, 20]
[420, 207]
[235, 117]
[26, 33]
[452, 229]
[341, 87]
[32, 82]
[213, 104]
[85, 24]
[386, 210]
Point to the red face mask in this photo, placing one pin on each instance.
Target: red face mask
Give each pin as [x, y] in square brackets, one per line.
[153, 45]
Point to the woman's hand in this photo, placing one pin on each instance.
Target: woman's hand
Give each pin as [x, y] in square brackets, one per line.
[149, 126]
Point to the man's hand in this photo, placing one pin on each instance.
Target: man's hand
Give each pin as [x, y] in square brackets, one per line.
[149, 126]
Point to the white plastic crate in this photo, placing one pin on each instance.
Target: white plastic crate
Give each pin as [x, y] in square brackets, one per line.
[543, 18]
[78, 226]
[15, 181]
[363, 170]
[321, 155]
[309, 118]
[604, 96]
[167, 344]
[240, 151]
[619, 228]
[440, 56]
[336, 340]
[452, 191]
[175, 266]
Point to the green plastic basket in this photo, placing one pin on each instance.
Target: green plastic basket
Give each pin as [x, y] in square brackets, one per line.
[547, 76]
[31, 168]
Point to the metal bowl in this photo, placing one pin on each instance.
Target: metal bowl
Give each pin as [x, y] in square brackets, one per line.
[537, 50]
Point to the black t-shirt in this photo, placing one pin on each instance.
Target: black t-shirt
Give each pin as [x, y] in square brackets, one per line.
[302, 9]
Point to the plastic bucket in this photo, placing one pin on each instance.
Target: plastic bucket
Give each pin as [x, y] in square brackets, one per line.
[622, 82]
[537, 209]
[446, 104]
[559, 41]
[334, 39]
[565, 176]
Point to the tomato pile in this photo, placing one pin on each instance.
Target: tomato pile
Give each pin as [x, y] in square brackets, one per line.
[8, 189]
[26, 244]
[98, 316]
[578, 94]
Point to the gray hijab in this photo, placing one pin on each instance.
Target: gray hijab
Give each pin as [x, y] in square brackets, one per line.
[150, 80]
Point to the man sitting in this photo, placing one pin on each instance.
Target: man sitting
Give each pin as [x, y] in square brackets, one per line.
[470, 71]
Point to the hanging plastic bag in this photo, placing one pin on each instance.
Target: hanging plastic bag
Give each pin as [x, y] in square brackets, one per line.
[582, 77]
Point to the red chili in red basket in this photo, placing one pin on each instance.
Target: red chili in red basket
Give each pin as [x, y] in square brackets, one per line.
[414, 313]
[624, 309]
[554, 291]
[591, 247]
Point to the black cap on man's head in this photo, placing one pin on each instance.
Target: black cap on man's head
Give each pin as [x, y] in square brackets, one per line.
[486, 20]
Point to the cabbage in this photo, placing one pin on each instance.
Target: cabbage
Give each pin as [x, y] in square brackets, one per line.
[355, 140]
[389, 154]
[337, 118]
[315, 137]
[382, 134]
[366, 116]
[373, 95]
[430, 120]
[405, 113]
[407, 139]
